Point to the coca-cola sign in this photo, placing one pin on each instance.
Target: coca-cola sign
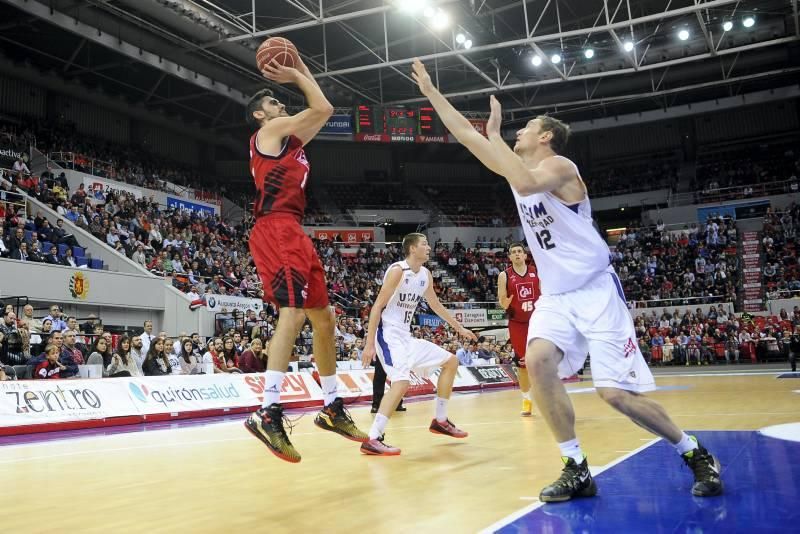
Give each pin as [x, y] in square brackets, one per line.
[372, 138]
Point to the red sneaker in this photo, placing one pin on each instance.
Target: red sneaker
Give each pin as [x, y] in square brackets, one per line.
[447, 428]
[376, 447]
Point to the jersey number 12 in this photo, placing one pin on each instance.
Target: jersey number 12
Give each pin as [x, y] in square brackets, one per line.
[545, 240]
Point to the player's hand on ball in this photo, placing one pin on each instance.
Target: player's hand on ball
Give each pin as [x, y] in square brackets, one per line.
[280, 74]
[367, 355]
[421, 76]
[495, 117]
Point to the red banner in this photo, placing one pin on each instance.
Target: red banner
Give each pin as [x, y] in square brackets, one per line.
[479, 125]
[347, 236]
[431, 139]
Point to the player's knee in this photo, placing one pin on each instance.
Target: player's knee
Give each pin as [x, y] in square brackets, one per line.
[293, 317]
[616, 398]
[322, 320]
[401, 385]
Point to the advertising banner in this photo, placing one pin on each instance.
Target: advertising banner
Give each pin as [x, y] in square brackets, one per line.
[751, 259]
[10, 151]
[492, 374]
[216, 303]
[479, 125]
[355, 383]
[429, 320]
[354, 236]
[338, 125]
[464, 378]
[470, 318]
[185, 205]
[298, 388]
[31, 402]
[98, 188]
[160, 394]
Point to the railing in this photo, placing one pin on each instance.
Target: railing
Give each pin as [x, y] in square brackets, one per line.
[11, 200]
[683, 301]
[740, 192]
[79, 162]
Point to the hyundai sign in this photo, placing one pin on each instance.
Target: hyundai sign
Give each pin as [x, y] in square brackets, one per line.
[338, 125]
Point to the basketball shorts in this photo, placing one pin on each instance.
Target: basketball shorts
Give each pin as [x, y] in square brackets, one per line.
[594, 319]
[400, 352]
[287, 263]
[518, 335]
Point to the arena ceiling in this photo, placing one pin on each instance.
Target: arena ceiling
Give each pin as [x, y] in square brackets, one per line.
[195, 58]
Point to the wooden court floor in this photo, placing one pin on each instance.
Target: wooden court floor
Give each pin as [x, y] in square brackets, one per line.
[217, 478]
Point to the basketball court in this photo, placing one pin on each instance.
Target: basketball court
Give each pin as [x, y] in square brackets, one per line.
[211, 475]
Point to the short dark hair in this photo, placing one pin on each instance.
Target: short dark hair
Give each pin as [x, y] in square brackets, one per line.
[516, 244]
[411, 240]
[254, 104]
[559, 129]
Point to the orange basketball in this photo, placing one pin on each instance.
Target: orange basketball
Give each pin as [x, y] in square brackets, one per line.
[278, 48]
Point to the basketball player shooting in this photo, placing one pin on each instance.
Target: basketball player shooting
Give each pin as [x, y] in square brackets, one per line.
[405, 283]
[517, 291]
[293, 277]
[582, 308]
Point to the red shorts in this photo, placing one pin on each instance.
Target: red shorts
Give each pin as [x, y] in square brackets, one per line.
[287, 263]
[518, 332]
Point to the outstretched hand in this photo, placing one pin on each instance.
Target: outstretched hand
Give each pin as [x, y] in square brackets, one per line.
[421, 76]
[279, 73]
[469, 334]
[495, 117]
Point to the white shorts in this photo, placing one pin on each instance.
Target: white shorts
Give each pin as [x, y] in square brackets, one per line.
[595, 320]
[400, 353]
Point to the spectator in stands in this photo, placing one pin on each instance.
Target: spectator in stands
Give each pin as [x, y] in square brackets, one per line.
[123, 362]
[71, 347]
[254, 359]
[39, 339]
[187, 359]
[156, 363]
[57, 319]
[52, 256]
[50, 367]
[147, 336]
[20, 167]
[226, 360]
[100, 354]
[21, 253]
[464, 356]
[137, 352]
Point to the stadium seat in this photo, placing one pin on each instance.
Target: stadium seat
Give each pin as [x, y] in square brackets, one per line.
[95, 263]
[62, 249]
[46, 246]
[28, 235]
[78, 251]
[80, 261]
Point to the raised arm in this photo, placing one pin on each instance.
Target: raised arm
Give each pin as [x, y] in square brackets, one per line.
[306, 124]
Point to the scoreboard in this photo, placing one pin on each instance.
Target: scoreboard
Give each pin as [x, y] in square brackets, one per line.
[398, 124]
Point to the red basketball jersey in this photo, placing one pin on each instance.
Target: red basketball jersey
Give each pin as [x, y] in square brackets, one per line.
[280, 180]
[525, 289]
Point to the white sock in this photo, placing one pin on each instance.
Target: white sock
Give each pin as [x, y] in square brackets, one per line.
[572, 449]
[686, 444]
[526, 395]
[330, 389]
[273, 380]
[441, 409]
[378, 426]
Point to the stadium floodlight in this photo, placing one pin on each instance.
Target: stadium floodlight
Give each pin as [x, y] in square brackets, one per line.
[748, 21]
[588, 53]
[429, 12]
[555, 59]
[628, 46]
[536, 60]
[441, 20]
[412, 7]
[727, 26]
[468, 44]
[460, 38]
[683, 34]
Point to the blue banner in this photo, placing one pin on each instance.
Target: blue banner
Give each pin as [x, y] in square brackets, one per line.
[744, 210]
[338, 125]
[429, 320]
[183, 204]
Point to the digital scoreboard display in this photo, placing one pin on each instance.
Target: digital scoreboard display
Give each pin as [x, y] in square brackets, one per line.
[429, 122]
[401, 121]
[368, 119]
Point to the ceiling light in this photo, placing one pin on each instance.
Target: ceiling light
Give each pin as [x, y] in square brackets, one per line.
[460, 38]
[536, 60]
[727, 26]
[628, 46]
[429, 12]
[556, 59]
[441, 20]
[588, 53]
[468, 44]
[412, 6]
[683, 35]
[748, 22]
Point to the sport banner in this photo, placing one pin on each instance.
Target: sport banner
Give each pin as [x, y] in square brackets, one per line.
[11, 151]
[98, 188]
[338, 125]
[167, 394]
[215, 303]
[470, 318]
[493, 374]
[347, 235]
[464, 378]
[355, 383]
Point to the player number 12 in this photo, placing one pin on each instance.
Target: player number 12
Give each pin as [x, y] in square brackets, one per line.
[545, 240]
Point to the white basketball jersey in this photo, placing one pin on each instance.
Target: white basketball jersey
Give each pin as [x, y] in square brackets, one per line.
[567, 249]
[401, 307]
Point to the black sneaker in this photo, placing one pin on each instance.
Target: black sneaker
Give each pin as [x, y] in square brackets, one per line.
[336, 418]
[706, 469]
[575, 481]
[267, 425]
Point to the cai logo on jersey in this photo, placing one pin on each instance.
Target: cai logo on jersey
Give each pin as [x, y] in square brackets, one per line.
[525, 291]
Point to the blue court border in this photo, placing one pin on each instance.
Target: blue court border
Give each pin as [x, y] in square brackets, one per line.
[649, 492]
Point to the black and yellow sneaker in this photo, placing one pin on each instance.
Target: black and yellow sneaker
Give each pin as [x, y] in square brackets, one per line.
[267, 424]
[706, 469]
[336, 418]
[575, 481]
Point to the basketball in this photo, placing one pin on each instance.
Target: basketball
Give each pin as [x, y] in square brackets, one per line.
[280, 49]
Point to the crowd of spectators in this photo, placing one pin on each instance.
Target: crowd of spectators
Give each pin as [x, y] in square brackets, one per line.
[781, 272]
[696, 262]
[631, 177]
[686, 337]
[475, 268]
